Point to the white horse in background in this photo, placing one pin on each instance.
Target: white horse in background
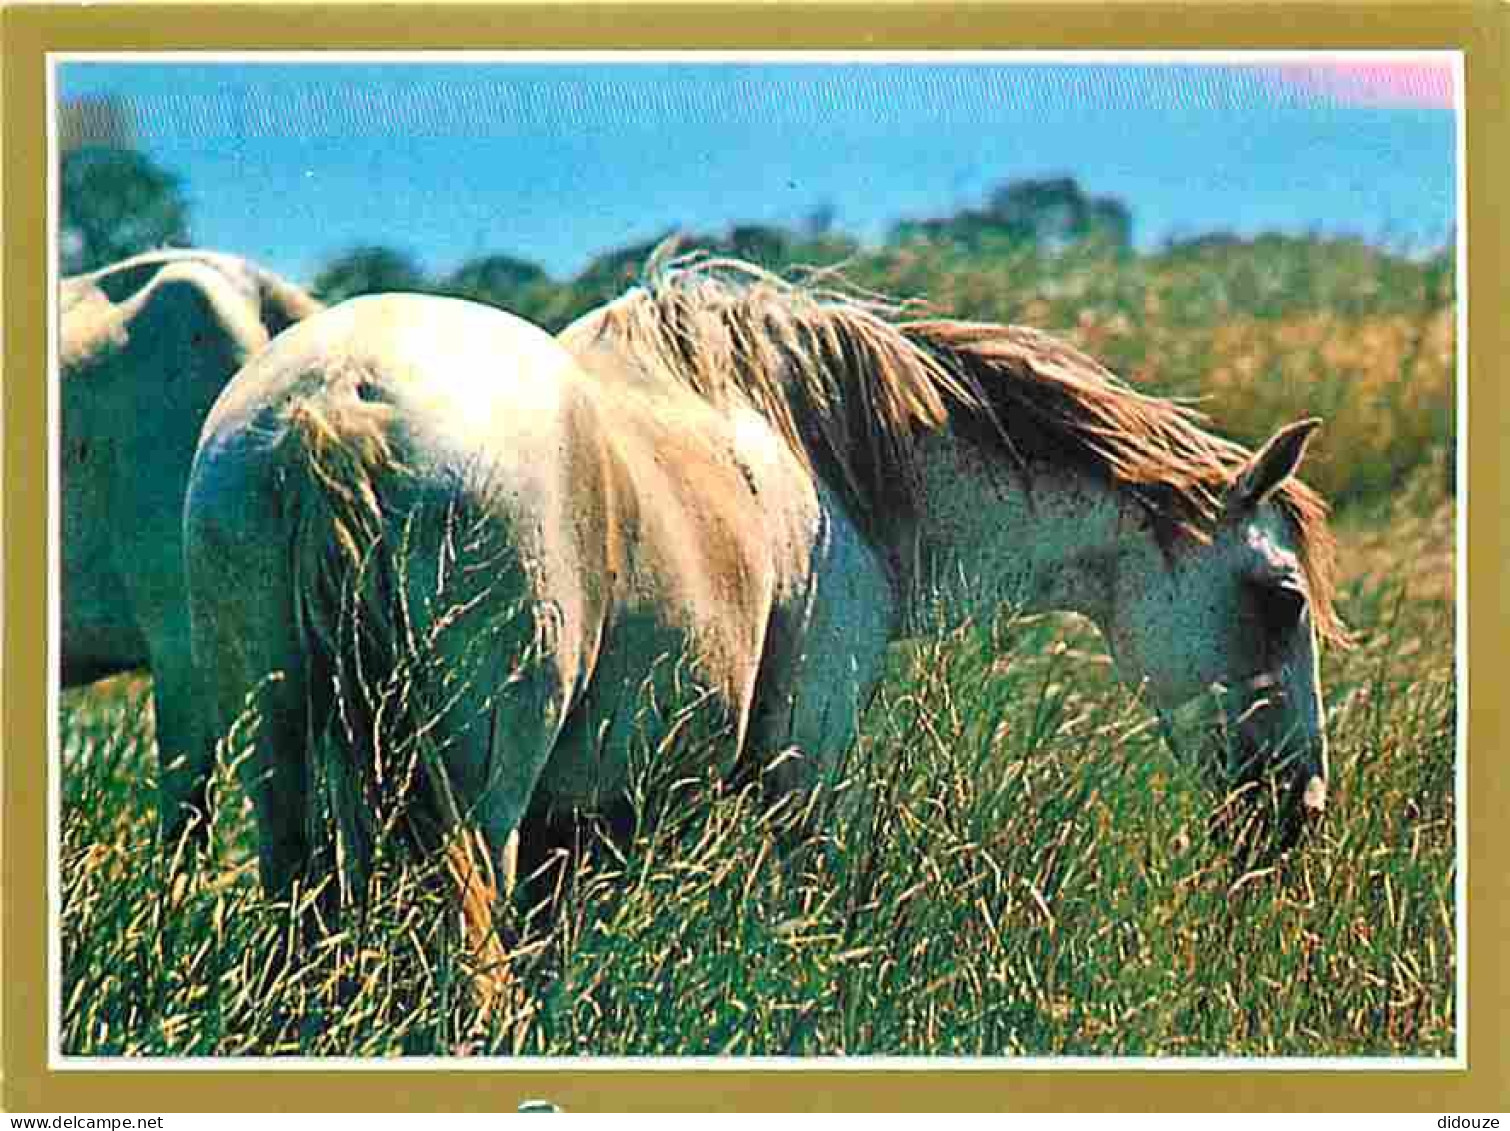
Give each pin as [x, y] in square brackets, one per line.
[767, 481]
[146, 346]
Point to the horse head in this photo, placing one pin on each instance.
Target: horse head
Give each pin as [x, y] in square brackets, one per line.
[1234, 612]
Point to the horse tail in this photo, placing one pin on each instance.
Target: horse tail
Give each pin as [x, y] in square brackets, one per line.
[354, 506]
[376, 764]
[337, 462]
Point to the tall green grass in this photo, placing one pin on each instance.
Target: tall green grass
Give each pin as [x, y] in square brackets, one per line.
[1019, 864]
[1022, 868]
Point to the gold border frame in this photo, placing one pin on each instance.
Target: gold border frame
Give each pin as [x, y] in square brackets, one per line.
[1479, 29]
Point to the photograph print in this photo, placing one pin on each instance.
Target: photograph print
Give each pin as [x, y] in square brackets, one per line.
[575, 558]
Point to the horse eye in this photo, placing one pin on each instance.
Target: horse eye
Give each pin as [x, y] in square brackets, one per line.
[1280, 606]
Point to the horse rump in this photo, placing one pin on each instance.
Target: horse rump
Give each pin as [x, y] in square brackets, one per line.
[320, 598]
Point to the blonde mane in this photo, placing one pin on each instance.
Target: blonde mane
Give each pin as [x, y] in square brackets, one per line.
[854, 387]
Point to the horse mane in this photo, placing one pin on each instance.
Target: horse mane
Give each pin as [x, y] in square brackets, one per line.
[854, 386]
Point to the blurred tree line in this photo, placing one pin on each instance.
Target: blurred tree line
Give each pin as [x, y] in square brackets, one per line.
[1272, 326]
[1037, 217]
[1040, 251]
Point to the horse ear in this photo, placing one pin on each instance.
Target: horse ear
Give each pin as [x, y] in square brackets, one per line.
[1272, 464]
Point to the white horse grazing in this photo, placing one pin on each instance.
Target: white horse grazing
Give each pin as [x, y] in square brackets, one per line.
[766, 482]
[147, 345]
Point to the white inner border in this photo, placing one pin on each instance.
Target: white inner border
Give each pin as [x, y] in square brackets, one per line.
[56, 1061]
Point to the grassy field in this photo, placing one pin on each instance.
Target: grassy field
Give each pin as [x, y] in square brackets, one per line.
[1030, 870]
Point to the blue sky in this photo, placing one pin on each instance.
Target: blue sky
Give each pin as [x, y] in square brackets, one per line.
[291, 163]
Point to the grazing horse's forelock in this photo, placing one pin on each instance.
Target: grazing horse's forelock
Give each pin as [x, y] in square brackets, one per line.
[854, 388]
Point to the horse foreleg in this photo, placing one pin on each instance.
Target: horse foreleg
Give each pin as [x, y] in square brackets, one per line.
[808, 714]
[821, 662]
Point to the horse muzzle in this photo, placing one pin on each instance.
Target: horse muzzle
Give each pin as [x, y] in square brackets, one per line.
[1298, 777]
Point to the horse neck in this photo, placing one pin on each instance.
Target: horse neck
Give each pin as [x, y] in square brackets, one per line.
[987, 536]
